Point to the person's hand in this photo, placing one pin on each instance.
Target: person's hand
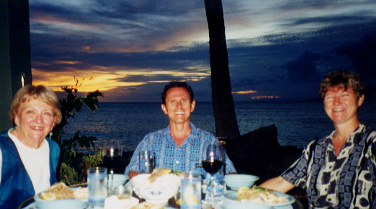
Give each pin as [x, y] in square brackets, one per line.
[132, 173]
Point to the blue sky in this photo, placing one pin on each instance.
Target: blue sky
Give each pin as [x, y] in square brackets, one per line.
[133, 48]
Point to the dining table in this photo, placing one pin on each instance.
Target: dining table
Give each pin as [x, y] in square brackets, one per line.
[31, 203]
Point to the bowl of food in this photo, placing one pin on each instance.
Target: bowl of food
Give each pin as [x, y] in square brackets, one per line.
[156, 188]
[235, 181]
[119, 179]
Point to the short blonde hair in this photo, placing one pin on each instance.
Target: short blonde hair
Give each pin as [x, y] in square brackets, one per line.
[42, 93]
[342, 79]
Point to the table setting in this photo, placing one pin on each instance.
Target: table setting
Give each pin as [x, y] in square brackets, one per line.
[159, 188]
[179, 192]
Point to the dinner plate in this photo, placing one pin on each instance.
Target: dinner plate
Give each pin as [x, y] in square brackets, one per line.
[232, 197]
[38, 197]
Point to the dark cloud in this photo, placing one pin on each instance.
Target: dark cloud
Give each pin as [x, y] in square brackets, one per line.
[362, 54]
[291, 6]
[59, 49]
[121, 35]
[305, 56]
[254, 82]
[96, 10]
[304, 67]
[331, 20]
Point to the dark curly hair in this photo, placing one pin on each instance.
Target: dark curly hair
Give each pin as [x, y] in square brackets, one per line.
[342, 79]
[173, 84]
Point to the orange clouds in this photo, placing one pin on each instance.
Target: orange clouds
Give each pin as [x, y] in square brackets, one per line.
[255, 97]
[244, 92]
[108, 78]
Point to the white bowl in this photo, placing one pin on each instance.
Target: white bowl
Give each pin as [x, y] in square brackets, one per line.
[159, 191]
[119, 179]
[62, 204]
[235, 181]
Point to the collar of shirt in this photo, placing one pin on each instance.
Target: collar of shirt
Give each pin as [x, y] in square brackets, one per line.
[192, 138]
[328, 140]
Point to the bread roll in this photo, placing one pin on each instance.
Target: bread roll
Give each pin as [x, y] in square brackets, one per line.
[158, 172]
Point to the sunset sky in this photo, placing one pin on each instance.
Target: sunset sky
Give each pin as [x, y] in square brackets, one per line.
[277, 49]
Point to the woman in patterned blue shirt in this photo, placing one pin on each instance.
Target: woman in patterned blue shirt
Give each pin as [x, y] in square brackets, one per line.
[337, 171]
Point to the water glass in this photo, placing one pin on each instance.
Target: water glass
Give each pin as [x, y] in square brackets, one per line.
[122, 191]
[145, 161]
[97, 185]
[190, 192]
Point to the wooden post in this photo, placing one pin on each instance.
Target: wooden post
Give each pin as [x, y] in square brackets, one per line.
[15, 58]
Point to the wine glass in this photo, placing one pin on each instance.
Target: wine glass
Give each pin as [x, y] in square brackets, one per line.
[212, 157]
[145, 161]
[112, 155]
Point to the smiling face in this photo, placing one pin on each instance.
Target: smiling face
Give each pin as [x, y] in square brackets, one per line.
[178, 105]
[342, 105]
[34, 120]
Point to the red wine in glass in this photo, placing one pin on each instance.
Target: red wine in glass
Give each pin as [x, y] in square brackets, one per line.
[111, 162]
[212, 166]
[212, 157]
[112, 155]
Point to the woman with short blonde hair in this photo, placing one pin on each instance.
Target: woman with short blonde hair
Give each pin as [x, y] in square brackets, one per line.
[339, 170]
[28, 159]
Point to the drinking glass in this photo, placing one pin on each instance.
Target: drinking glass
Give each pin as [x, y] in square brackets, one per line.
[190, 192]
[145, 161]
[212, 157]
[112, 156]
[121, 191]
[97, 185]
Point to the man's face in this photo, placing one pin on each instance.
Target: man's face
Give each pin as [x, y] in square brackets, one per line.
[178, 105]
[341, 105]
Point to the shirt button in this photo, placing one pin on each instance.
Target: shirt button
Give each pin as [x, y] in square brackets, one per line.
[177, 162]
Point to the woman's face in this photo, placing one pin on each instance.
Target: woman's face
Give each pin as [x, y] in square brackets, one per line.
[34, 120]
[342, 105]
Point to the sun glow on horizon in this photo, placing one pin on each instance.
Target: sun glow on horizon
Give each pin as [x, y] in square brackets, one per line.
[255, 97]
[107, 78]
[245, 92]
[101, 81]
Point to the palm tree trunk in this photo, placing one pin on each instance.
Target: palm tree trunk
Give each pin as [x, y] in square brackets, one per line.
[223, 104]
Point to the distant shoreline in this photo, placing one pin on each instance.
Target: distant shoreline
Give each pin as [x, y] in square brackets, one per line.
[254, 100]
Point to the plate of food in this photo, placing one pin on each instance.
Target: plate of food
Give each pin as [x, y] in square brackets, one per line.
[259, 195]
[61, 191]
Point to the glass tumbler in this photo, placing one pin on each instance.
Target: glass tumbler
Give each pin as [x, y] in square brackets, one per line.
[121, 191]
[190, 191]
[145, 161]
[97, 185]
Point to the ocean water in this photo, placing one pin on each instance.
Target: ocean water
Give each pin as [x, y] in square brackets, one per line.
[297, 123]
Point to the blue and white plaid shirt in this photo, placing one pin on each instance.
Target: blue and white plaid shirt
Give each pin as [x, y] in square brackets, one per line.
[167, 154]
